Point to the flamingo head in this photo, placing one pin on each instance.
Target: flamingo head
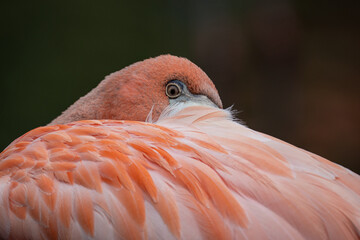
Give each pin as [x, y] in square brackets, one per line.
[148, 86]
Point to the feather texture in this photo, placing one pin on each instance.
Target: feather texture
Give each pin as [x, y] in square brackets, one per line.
[193, 174]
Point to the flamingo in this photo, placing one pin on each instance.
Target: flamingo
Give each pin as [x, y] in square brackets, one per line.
[150, 154]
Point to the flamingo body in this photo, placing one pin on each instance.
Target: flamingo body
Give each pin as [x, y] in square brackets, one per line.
[168, 163]
[195, 174]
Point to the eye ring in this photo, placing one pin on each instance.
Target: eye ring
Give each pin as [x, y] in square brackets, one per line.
[173, 90]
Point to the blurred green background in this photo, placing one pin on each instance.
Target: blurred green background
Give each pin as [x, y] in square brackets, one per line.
[292, 68]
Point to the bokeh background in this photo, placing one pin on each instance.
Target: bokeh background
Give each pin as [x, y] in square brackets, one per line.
[292, 68]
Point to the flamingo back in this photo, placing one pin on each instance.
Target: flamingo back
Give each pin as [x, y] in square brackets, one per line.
[196, 174]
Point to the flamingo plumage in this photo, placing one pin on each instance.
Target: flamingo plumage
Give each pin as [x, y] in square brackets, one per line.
[151, 154]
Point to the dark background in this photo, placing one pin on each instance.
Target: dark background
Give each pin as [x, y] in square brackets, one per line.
[291, 67]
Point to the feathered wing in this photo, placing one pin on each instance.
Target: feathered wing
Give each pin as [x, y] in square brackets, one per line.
[192, 175]
[315, 197]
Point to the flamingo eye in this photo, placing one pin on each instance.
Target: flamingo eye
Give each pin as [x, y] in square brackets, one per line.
[174, 89]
